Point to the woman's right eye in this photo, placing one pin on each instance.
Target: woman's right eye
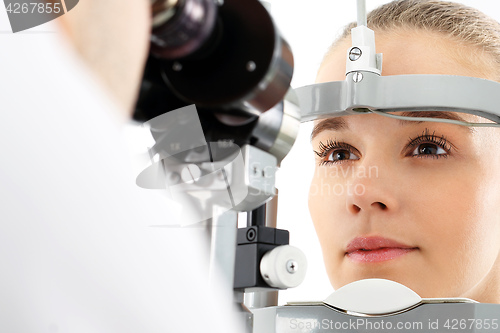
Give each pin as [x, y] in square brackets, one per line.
[336, 152]
[339, 155]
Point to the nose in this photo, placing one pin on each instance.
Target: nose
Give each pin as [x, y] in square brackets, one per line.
[374, 191]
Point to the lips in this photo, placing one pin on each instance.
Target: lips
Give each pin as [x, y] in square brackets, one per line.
[376, 249]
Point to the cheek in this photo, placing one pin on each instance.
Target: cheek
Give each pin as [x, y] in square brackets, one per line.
[442, 203]
[482, 223]
[325, 207]
[316, 206]
[325, 198]
[473, 232]
[458, 218]
[320, 209]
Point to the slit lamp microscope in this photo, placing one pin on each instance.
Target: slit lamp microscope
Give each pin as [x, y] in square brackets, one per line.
[216, 97]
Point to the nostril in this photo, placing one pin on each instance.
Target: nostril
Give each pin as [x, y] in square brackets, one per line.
[382, 206]
[356, 209]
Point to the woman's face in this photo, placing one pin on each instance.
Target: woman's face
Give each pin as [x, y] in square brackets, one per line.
[413, 202]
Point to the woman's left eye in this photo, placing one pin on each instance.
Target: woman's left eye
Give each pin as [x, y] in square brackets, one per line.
[428, 149]
[429, 145]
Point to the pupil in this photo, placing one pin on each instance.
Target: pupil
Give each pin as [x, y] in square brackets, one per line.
[341, 155]
[428, 149]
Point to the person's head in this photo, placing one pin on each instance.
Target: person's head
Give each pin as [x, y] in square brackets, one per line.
[112, 36]
[432, 188]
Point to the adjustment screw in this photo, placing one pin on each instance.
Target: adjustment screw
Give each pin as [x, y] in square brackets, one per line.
[355, 53]
[357, 77]
[191, 173]
[251, 234]
[292, 266]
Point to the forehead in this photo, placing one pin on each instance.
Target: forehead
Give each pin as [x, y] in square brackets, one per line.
[345, 123]
[413, 52]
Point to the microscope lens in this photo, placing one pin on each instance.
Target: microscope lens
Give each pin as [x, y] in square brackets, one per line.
[181, 27]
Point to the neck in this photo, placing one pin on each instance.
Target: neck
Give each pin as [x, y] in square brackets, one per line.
[488, 289]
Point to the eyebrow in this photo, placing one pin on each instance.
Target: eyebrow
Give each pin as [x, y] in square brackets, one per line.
[339, 124]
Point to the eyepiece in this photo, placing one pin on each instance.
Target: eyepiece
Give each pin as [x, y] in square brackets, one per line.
[181, 27]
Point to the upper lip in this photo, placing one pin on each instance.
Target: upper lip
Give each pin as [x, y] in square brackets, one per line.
[374, 243]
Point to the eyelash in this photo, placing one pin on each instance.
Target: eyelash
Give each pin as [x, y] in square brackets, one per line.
[425, 137]
[330, 146]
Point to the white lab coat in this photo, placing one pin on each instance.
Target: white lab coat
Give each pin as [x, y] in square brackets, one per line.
[77, 253]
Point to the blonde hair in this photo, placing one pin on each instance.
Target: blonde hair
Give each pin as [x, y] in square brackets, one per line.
[468, 26]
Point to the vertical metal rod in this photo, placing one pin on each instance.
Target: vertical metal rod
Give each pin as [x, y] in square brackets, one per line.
[261, 299]
[223, 230]
[362, 20]
[272, 211]
[257, 217]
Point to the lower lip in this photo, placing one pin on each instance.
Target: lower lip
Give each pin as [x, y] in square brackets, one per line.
[379, 255]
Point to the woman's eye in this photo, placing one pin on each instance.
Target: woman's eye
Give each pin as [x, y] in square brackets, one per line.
[428, 149]
[336, 152]
[341, 155]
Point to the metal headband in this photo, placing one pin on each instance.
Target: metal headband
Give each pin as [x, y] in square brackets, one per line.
[366, 91]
